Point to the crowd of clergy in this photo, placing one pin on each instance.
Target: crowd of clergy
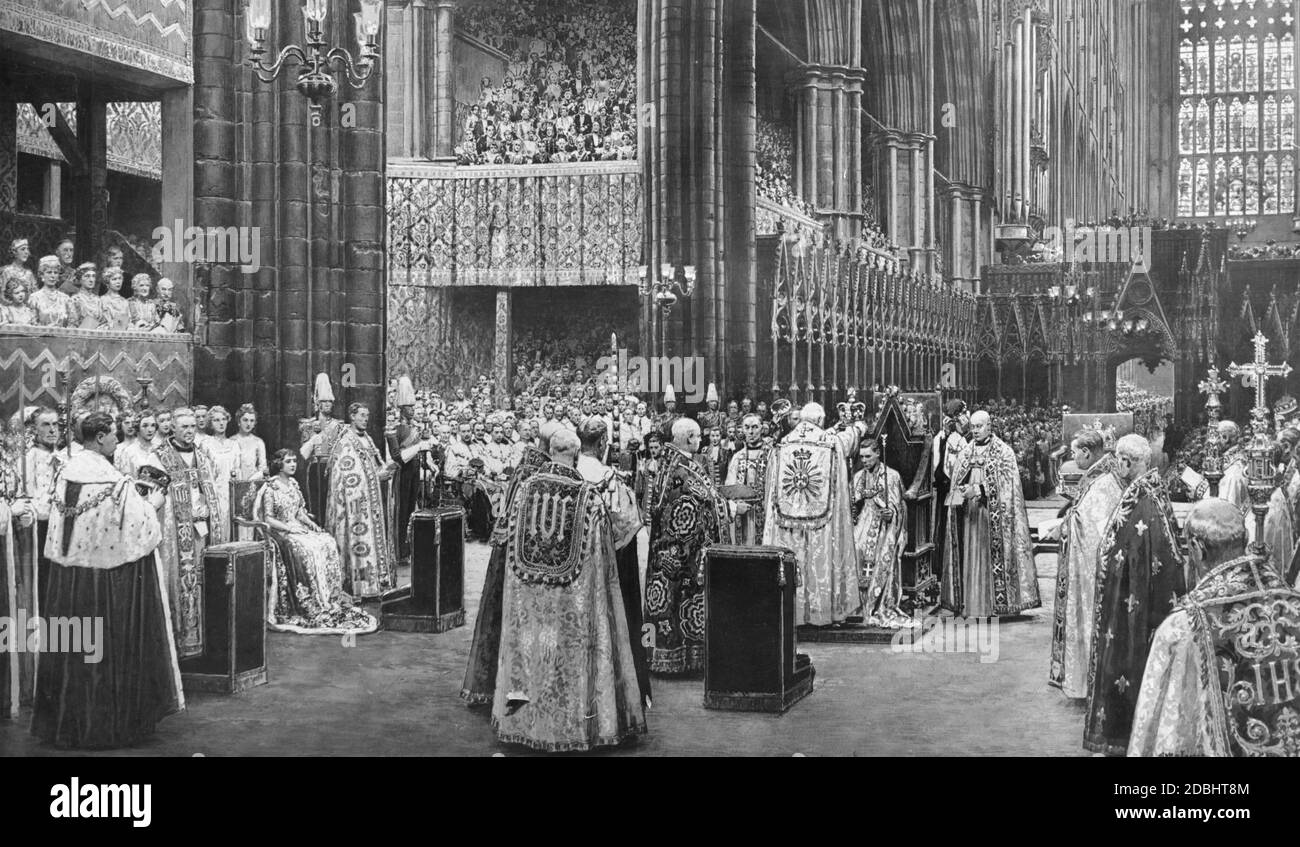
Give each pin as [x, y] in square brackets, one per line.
[1152, 625]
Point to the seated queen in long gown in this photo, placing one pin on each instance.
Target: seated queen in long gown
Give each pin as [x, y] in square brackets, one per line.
[307, 594]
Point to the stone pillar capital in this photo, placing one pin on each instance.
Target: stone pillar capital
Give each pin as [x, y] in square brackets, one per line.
[827, 77]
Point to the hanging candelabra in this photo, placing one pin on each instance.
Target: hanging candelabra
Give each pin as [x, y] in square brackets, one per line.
[663, 289]
[316, 64]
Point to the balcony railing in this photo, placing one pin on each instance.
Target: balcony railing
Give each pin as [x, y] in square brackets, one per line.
[530, 225]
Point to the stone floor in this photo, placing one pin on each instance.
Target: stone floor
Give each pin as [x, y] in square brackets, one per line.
[395, 694]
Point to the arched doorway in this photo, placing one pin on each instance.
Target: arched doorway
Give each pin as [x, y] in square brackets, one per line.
[1147, 392]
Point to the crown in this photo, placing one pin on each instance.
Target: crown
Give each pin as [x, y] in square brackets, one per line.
[1107, 433]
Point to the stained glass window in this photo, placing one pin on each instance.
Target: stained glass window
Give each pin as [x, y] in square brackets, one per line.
[1236, 116]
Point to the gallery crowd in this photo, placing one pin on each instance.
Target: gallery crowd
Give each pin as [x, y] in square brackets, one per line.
[567, 94]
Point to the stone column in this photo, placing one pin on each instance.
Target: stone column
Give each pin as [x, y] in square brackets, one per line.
[502, 367]
[696, 141]
[90, 189]
[257, 344]
[441, 106]
[178, 181]
[408, 33]
[1015, 112]
[829, 171]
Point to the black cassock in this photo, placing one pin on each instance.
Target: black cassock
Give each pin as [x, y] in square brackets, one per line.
[118, 700]
[1140, 575]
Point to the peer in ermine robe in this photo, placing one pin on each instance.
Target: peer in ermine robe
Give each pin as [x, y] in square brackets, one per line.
[101, 545]
[809, 512]
[1076, 577]
[880, 535]
[1140, 576]
[988, 558]
[481, 671]
[1220, 678]
[566, 678]
[686, 515]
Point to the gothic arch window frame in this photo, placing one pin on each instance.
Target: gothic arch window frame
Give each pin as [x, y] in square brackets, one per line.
[1236, 78]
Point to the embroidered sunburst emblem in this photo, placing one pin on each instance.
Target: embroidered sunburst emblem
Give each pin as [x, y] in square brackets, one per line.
[1141, 527]
[802, 478]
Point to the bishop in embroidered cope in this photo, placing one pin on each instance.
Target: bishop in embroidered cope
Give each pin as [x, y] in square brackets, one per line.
[195, 515]
[808, 511]
[357, 511]
[1097, 495]
[988, 567]
[1140, 575]
[687, 514]
[566, 678]
[1221, 677]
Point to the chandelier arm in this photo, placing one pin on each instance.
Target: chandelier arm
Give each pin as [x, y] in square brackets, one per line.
[356, 73]
[290, 55]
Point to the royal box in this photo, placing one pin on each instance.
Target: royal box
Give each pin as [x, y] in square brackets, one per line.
[750, 662]
[436, 599]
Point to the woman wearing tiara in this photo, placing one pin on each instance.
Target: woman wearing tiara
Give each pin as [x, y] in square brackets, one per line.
[307, 594]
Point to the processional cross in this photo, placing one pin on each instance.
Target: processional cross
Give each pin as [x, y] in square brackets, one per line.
[1259, 454]
[1212, 464]
[1259, 370]
[1212, 386]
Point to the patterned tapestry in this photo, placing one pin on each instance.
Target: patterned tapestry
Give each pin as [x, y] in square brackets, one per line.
[134, 135]
[577, 224]
[442, 338]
